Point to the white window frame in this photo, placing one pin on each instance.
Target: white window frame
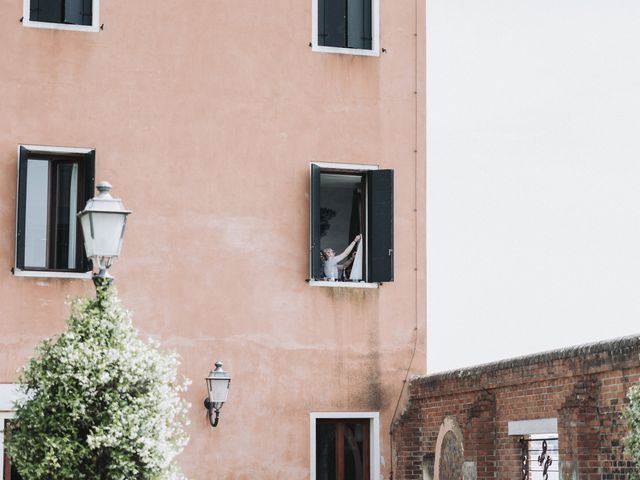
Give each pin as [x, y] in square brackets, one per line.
[374, 438]
[535, 430]
[94, 27]
[355, 167]
[555, 473]
[46, 273]
[8, 394]
[375, 34]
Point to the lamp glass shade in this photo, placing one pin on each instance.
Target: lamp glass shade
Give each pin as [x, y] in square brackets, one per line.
[218, 389]
[103, 220]
[103, 232]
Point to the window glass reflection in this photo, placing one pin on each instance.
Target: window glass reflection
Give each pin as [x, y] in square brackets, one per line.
[325, 451]
[36, 214]
[353, 452]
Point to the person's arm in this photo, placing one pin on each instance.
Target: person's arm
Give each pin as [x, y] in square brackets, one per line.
[347, 263]
[347, 250]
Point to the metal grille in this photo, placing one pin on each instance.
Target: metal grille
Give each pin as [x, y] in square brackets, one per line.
[539, 457]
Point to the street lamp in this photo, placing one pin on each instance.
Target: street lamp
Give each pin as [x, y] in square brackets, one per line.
[218, 387]
[103, 220]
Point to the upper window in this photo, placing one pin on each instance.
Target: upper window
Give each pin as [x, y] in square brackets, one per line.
[351, 231]
[53, 186]
[344, 446]
[62, 14]
[346, 26]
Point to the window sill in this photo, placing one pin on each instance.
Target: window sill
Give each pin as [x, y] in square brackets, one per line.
[61, 26]
[328, 283]
[346, 51]
[48, 274]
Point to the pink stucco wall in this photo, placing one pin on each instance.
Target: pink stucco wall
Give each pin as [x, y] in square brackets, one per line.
[205, 116]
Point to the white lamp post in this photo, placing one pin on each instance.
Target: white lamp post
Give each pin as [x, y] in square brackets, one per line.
[103, 220]
[218, 386]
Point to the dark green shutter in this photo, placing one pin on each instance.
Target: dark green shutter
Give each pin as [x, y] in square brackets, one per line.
[34, 10]
[48, 11]
[367, 34]
[334, 27]
[23, 160]
[380, 225]
[87, 12]
[355, 23]
[322, 32]
[88, 186]
[314, 218]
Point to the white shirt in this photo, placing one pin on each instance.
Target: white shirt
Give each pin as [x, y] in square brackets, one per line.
[331, 268]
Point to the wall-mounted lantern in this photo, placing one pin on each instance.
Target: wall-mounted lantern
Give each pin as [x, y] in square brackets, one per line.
[218, 387]
[103, 220]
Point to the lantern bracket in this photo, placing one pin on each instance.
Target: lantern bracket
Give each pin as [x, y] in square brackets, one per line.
[208, 404]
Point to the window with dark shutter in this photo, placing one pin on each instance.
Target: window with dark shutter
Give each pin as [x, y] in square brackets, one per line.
[380, 227]
[346, 204]
[345, 24]
[315, 219]
[70, 12]
[52, 189]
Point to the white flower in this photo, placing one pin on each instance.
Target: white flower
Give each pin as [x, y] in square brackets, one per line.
[99, 374]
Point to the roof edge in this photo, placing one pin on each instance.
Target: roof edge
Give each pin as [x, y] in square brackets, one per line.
[628, 342]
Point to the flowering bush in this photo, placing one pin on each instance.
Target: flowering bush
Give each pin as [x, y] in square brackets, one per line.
[99, 403]
[632, 414]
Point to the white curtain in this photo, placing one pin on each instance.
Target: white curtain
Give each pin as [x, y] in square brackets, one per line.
[356, 267]
[73, 210]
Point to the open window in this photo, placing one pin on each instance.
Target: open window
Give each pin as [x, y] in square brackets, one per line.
[62, 14]
[53, 186]
[347, 201]
[345, 446]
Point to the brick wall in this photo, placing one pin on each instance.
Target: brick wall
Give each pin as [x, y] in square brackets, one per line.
[582, 387]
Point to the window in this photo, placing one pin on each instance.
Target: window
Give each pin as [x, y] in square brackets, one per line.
[346, 201]
[539, 447]
[62, 14]
[9, 472]
[346, 26]
[8, 394]
[345, 446]
[540, 457]
[53, 186]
